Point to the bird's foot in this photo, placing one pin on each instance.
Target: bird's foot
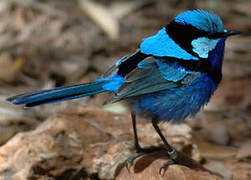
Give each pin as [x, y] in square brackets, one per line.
[140, 152]
[177, 158]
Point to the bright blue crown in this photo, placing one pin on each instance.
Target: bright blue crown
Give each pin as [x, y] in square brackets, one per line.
[201, 19]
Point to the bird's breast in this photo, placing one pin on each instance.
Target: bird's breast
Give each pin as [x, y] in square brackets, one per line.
[174, 103]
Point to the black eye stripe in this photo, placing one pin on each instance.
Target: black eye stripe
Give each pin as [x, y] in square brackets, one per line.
[183, 35]
[182, 30]
[177, 29]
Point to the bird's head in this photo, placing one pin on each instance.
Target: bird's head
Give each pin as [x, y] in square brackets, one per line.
[192, 35]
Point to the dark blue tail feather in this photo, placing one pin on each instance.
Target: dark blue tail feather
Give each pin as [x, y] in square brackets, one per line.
[58, 94]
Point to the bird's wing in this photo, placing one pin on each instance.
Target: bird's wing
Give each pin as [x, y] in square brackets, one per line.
[152, 75]
[125, 64]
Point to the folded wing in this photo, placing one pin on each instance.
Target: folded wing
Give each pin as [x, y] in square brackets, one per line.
[152, 75]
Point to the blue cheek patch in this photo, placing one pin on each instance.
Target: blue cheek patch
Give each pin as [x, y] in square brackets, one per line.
[113, 82]
[162, 45]
[172, 71]
[202, 46]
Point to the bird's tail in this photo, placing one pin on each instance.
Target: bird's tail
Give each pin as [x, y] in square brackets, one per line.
[58, 94]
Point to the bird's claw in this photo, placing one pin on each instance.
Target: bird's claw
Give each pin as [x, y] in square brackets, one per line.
[138, 153]
[176, 158]
[173, 156]
[164, 167]
[130, 160]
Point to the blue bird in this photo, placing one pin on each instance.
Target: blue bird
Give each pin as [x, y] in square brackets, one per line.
[170, 77]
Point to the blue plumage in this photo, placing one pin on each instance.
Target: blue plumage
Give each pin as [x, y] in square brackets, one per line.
[201, 19]
[171, 71]
[172, 75]
[175, 104]
[113, 82]
[162, 45]
[202, 46]
[168, 77]
[216, 56]
[58, 94]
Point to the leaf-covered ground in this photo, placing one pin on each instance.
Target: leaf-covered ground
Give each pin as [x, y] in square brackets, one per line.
[44, 44]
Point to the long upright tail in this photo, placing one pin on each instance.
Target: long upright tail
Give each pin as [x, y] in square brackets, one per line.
[58, 94]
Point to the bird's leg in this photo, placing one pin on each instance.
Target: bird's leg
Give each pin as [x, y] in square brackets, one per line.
[175, 158]
[139, 151]
[171, 151]
[136, 139]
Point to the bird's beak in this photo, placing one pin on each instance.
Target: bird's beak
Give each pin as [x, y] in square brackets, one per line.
[231, 33]
[224, 34]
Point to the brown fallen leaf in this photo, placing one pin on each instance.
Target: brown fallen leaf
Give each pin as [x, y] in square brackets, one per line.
[102, 16]
[219, 168]
[244, 151]
[9, 68]
[214, 151]
[239, 169]
[121, 9]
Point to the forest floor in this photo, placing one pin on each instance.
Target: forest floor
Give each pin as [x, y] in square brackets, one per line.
[45, 44]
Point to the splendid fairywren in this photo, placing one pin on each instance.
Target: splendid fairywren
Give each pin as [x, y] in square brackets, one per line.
[170, 77]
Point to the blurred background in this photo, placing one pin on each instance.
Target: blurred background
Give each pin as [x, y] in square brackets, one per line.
[50, 43]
